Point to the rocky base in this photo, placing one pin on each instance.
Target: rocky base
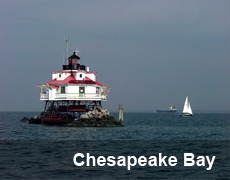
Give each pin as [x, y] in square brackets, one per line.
[108, 121]
[35, 120]
[96, 118]
[25, 119]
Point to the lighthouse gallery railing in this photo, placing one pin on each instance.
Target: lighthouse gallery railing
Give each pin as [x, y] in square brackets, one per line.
[76, 95]
[59, 96]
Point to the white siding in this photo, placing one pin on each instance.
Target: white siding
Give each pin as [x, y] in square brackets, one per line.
[78, 76]
[54, 75]
[52, 92]
[65, 75]
[90, 89]
[91, 76]
[59, 76]
[73, 89]
[62, 76]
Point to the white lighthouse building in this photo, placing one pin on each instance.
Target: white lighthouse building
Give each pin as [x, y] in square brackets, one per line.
[72, 90]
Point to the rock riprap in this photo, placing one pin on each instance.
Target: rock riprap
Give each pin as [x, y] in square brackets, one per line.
[25, 119]
[96, 118]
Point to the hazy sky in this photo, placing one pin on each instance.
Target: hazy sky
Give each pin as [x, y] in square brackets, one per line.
[152, 53]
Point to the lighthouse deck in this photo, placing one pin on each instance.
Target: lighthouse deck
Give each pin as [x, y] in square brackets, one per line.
[74, 96]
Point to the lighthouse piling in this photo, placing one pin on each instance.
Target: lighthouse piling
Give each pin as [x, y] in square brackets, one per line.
[121, 113]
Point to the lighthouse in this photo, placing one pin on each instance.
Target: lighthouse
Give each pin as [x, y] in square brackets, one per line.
[71, 92]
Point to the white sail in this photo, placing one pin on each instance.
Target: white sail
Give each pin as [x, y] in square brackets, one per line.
[187, 107]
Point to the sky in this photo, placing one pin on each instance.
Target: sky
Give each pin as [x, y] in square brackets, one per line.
[151, 53]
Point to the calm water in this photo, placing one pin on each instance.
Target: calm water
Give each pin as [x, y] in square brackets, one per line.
[138, 126]
[42, 151]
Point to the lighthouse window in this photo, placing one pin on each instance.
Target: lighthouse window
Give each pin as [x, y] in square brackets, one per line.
[80, 75]
[63, 89]
[59, 75]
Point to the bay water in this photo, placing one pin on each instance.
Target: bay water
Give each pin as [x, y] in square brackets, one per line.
[35, 151]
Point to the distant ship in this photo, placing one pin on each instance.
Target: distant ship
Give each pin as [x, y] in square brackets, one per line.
[171, 109]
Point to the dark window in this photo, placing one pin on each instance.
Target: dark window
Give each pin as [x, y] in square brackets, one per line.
[59, 75]
[62, 89]
[80, 75]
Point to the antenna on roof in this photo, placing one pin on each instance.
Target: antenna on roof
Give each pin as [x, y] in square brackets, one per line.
[66, 40]
[77, 51]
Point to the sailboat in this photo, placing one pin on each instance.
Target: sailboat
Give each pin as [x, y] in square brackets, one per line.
[187, 111]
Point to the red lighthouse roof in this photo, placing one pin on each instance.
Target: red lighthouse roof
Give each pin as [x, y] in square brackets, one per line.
[72, 80]
[65, 81]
